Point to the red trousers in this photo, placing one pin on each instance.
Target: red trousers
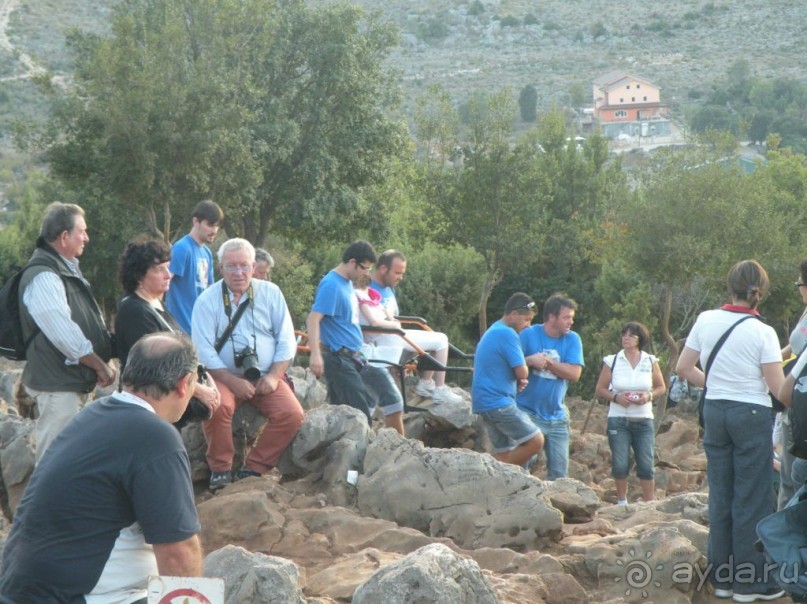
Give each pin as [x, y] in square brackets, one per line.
[284, 415]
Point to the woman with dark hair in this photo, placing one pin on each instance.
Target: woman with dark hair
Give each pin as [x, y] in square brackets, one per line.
[145, 277]
[737, 430]
[631, 379]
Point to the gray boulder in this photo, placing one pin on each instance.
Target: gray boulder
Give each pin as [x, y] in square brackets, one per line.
[17, 451]
[432, 573]
[254, 577]
[468, 497]
[578, 502]
[648, 563]
[332, 440]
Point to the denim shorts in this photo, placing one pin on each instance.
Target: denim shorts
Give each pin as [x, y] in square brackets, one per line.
[637, 433]
[508, 427]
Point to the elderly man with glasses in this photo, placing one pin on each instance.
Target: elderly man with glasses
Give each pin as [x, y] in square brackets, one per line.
[243, 331]
[333, 323]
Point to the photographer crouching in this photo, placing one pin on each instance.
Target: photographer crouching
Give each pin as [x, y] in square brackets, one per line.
[244, 336]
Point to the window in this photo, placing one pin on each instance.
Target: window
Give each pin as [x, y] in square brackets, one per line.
[621, 100]
[620, 113]
[644, 98]
[638, 85]
[633, 99]
[628, 86]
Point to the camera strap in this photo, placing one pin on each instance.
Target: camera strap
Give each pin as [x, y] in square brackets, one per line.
[232, 320]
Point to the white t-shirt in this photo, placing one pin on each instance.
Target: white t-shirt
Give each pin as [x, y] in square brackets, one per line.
[736, 372]
[626, 378]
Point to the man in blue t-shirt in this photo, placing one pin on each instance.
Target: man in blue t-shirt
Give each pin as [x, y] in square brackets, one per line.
[192, 263]
[500, 372]
[555, 354]
[334, 322]
[111, 501]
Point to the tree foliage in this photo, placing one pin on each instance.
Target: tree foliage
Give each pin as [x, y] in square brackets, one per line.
[276, 110]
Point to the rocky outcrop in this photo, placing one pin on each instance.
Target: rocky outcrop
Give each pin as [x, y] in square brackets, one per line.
[254, 577]
[433, 573]
[469, 497]
[17, 450]
[331, 441]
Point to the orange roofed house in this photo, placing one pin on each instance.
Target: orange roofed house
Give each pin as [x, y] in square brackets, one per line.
[628, 104]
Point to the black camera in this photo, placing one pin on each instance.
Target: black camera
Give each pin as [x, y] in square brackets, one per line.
[196, 411]
[247, 360]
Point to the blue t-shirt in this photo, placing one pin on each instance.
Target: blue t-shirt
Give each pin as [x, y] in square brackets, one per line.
[497, 354]
[545, 392]
[192, 267]
[336, 300]
[114, 464]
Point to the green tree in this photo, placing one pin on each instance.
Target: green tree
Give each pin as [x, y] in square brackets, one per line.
[528, 103]
[490, 195]
[674, 236]
[278, 111]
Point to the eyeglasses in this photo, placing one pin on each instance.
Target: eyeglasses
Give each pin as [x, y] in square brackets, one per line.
[528, 306]
[799, 284]
[236, 268]
[363, 266]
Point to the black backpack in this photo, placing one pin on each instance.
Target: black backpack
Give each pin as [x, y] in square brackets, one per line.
[12, 343]
[798, 416]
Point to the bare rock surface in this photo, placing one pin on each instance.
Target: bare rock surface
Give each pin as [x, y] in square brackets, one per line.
[433, 573]
[255, 577]
[526, 540]
[466, 496]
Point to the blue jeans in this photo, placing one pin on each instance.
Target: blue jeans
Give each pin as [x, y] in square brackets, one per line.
[739, 456]
[638, 433]
[556, 444]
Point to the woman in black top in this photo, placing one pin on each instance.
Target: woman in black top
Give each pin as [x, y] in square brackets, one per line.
[145, 278]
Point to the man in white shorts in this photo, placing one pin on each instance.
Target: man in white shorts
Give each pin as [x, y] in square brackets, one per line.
[389, 271]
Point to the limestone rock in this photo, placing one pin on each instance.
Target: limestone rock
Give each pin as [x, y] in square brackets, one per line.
[645, 564]
[575, 500]
[332, 440]
[309, 390]
[469, 497]
[340, 579]
[254, 577]
[247, 518]
[17, 451]
[431, 574]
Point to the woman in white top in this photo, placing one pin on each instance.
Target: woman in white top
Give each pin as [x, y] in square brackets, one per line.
[738, 430]
[630, 379]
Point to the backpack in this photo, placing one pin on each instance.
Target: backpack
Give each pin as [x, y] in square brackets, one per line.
[798, 416]
[784, 544]
[13, 344]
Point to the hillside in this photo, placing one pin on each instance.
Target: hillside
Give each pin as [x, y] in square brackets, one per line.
[476, 46]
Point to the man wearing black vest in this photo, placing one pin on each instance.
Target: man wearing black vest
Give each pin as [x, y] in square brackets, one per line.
[69, 345]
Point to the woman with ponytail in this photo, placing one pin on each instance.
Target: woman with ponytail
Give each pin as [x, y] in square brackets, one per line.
[737, 430]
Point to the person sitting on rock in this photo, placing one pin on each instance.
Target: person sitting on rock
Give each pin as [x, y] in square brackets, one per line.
[389, 271]
[243, 331]
[500, 371]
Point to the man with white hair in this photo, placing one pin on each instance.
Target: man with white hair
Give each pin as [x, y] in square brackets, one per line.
[243, 331]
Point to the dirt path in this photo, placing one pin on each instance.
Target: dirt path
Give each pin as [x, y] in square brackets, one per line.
[29, 66]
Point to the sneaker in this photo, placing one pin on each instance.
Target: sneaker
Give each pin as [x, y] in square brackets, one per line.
[723, 594]
[774, 593]
[219, 480]
[246, 473]
[424, 388]
[443, 394]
